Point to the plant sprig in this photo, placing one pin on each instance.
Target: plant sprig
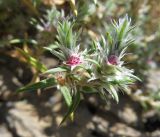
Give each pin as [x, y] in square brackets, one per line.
[98, 69]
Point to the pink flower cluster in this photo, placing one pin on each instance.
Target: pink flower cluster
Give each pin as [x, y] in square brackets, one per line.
[74, 60]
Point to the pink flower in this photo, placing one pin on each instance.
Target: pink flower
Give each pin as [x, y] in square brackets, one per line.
[74, 60]
[113, 59]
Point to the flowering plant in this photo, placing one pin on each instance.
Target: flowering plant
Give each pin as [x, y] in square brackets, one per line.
[97, 68]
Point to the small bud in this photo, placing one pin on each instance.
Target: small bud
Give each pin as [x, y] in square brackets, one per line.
[61, 78]
[113, 59]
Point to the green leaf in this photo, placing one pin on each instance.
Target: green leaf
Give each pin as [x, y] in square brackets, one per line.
[39, 85]
[109, 69]
[17, 41]
[93, 61]
[125, 80]
[66, 38]
[87, 89]
[66, 94]
[134, 77]
[51, 47]
[32, 61]
[113, 93]
[56, 53]
[122, 31]
[103, 42]
[110, 41]
[72, 108]
[103, 94]
[55, 70]
[69, 38]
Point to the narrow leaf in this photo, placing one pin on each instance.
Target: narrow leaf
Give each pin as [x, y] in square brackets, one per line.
[114, 93]
[39, 85]
[56, 53]
[66, 94]
[55, 70]
[32, 61]
[93, 61]
[72, 108]
[17, 41]
[87, 89]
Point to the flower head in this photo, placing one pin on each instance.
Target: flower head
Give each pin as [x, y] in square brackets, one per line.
[113, 59]
[74, 60]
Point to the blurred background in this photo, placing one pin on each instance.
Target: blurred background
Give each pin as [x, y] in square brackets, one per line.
[28, 25]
